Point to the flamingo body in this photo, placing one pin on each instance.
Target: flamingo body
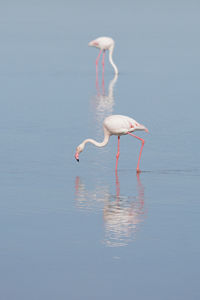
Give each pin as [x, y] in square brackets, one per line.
[104, 43]
[121, 125]
[115, 125]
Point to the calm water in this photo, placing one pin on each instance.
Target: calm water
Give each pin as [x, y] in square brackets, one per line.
[78, 231]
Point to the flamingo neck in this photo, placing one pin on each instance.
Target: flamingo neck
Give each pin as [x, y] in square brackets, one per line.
[111, 60]
[97, 144]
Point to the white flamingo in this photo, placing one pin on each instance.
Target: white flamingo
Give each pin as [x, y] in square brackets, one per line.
[116, 125]
[104, 43]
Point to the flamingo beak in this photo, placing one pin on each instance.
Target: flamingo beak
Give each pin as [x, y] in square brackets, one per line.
[77, 156]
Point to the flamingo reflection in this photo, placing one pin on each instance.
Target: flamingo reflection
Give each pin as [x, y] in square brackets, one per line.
[103, 103]
[122, 215]
[89, 200]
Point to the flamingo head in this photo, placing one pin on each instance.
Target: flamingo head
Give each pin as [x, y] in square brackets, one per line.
[79, 149]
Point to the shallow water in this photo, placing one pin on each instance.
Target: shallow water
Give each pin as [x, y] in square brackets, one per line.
[79, 231]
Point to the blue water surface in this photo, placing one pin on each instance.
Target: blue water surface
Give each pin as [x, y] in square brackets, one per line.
[80, 231]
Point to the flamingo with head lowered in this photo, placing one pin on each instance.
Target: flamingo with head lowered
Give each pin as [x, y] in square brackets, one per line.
[104, 43]
[116, 125]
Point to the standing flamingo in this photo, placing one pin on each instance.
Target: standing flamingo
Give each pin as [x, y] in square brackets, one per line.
[104, 43]
[116, 125]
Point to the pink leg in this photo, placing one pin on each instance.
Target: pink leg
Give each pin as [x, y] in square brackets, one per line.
[103, 85]
[138, 170]
[117, 156]
[97, 60]
[97, 84]
[103, 60]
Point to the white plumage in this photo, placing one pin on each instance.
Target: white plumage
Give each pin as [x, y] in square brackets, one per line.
[104, 43]
[120, 125]
[115, 125]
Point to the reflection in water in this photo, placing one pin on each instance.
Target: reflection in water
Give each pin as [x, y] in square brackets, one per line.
[121, 214]
[103, 103]
[90, 200]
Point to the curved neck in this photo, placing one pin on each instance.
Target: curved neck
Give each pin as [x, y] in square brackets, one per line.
[111, 60]
[97, 144]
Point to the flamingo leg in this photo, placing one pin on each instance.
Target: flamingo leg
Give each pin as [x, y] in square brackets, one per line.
[117, 156]
[103, 60]
[138, 170]
[97, 60]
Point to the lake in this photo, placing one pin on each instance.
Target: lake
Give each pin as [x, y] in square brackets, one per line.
[79, 230]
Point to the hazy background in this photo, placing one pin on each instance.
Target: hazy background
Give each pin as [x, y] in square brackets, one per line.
[76, 231]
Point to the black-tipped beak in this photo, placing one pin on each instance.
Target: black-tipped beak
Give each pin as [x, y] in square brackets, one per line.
[77, 156]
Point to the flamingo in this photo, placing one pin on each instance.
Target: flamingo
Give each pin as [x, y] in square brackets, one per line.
[116, 125]
[104, 43]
